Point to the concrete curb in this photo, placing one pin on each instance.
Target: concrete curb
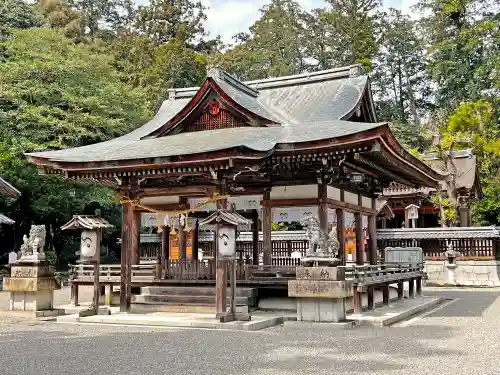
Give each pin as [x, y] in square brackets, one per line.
[320, 325]
[384, 321]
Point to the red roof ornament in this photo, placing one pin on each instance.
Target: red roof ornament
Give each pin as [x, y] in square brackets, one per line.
[214, 108]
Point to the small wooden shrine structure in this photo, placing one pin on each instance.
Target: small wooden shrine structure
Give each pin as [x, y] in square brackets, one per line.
[399, 196]
[276, 149]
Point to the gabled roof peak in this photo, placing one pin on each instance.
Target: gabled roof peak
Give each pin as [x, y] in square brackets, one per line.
[350, 71]
[220, 75]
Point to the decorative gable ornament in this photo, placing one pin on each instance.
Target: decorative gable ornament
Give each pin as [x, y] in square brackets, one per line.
[214, 108]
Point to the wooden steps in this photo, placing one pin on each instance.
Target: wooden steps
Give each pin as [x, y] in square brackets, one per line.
[187, 299]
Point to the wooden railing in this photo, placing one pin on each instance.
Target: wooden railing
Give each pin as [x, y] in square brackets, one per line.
[383, 273]
[110, 272]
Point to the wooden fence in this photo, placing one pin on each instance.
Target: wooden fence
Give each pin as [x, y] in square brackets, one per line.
[477, 243]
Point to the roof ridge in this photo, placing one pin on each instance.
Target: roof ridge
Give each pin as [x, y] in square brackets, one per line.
[349, 71]
[219, 74]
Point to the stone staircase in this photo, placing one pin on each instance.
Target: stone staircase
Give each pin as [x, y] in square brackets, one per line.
[187, 299]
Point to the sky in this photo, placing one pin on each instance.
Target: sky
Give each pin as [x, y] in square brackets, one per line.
[228, 17]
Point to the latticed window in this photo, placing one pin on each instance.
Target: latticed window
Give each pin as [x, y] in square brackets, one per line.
[208, 121]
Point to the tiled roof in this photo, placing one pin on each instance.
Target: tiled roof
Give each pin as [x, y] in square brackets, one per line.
[438, 233]
[308, 107]
[465, 162]
[87, 222]
[7, 189]
[5, 220]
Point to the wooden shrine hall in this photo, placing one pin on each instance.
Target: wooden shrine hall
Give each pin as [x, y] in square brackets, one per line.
[272, 149]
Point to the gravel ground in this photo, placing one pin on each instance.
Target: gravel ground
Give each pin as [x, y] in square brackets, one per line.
[459, 338]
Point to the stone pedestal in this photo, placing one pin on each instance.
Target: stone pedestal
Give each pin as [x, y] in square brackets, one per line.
[31, 286]
[320, 294]
[452, 273]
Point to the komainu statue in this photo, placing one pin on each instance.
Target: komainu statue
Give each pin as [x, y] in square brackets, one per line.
[323, 247]
[34, 244]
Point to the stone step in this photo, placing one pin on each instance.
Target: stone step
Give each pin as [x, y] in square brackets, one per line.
[193, 291]
[192, 300]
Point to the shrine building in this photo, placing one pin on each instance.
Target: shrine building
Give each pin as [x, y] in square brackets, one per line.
[274, 150]
[397, 197]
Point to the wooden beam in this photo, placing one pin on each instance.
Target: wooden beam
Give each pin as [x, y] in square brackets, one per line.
[332, 203]
[162, 207]
[255, 237]
[202, 191]
[266, 228]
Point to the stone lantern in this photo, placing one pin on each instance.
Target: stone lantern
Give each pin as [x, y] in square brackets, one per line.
[91, 227]
[225, 242]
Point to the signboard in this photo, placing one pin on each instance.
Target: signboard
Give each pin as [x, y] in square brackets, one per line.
[412, 211]
[174, 246]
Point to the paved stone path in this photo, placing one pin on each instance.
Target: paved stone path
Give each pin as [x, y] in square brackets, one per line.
[460, 338]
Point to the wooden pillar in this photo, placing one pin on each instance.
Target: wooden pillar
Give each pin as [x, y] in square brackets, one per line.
[372, 251]
[341, 229]
[182, 243]
[182, 235]
[358, 220]
[165, 247]
[221, 270]
[341, 234]
[385, 294]
[195, 245]
[74, 294]
[136, 237]
[400, 290]
[411, 288]
[126, 257]
[266, 229]
[372, 241]
[108, 294]
[323, 207]
[356, 300]
[255, 237]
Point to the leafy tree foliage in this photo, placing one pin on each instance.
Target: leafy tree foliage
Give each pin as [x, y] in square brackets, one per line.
[56, 94]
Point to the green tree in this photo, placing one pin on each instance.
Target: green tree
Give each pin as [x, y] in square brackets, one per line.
[56, 94]
[399, 82]
[275, 46]
[17, 14]
[162, 20]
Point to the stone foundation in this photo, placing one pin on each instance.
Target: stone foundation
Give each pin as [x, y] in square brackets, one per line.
[31, 287]
[480, 273]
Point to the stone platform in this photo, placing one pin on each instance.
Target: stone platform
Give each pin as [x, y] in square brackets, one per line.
[180, 320]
